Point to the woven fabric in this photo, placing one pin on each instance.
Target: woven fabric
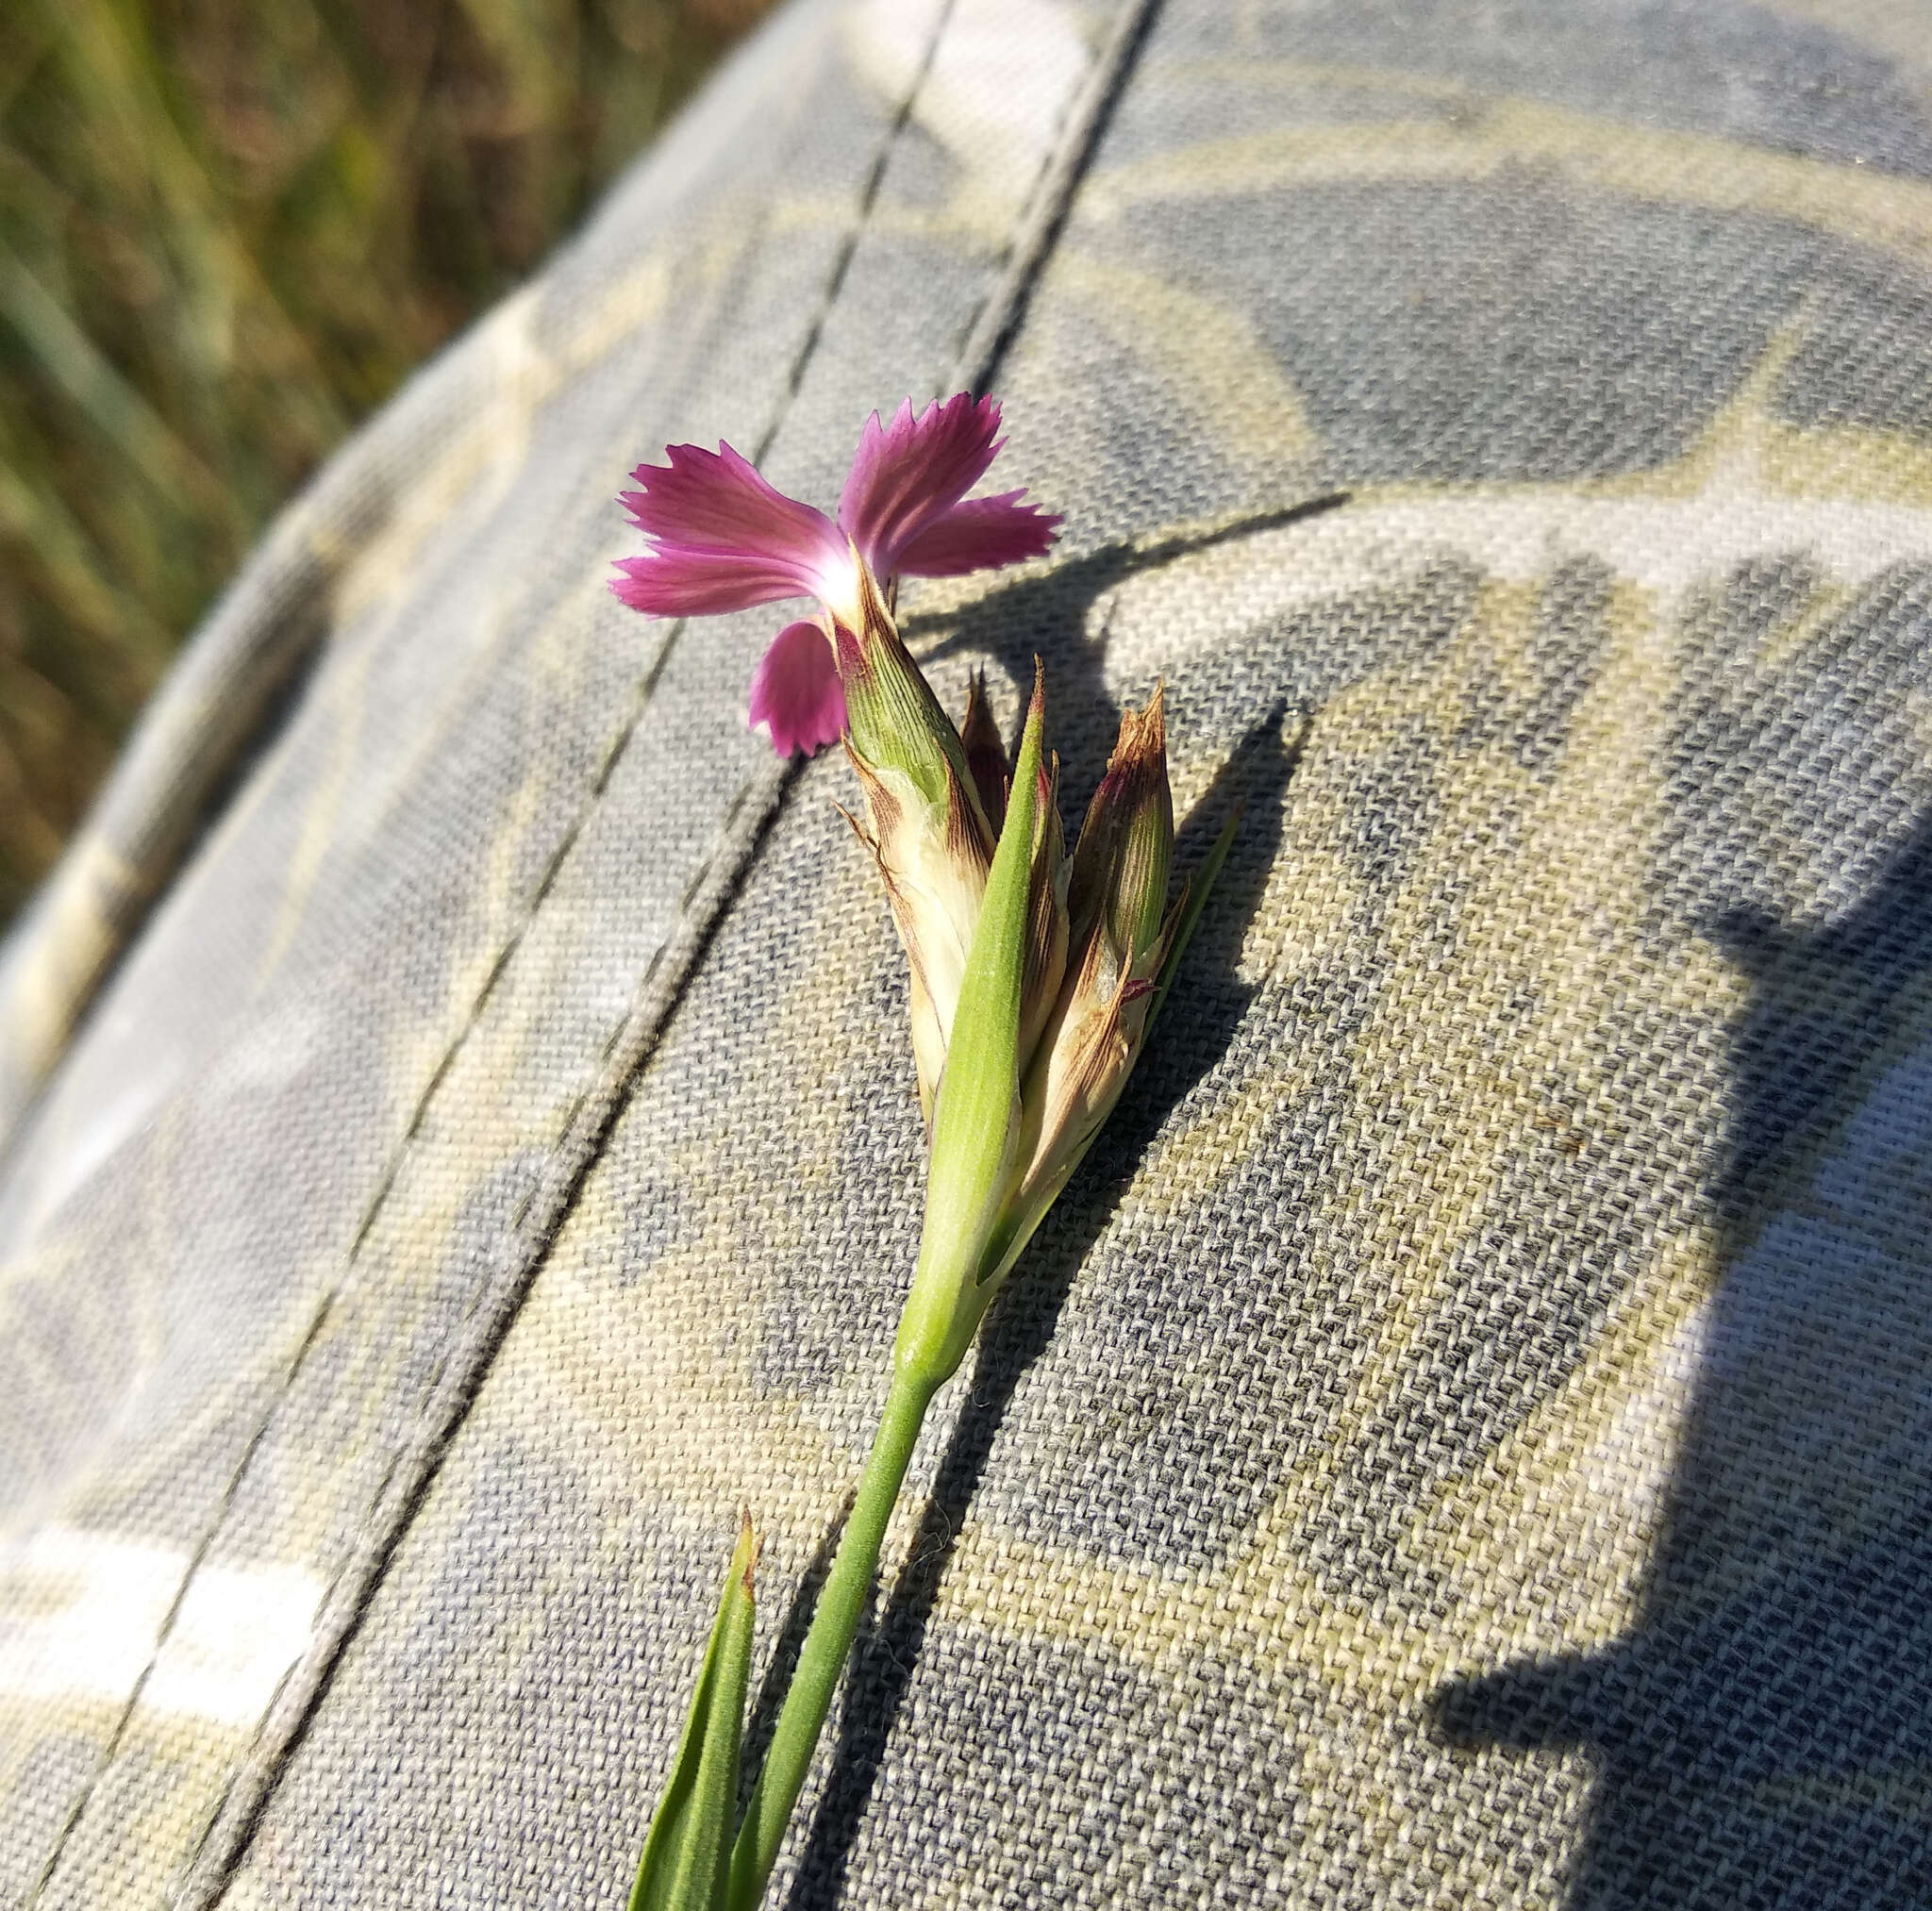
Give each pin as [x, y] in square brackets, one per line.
[1463, 1436]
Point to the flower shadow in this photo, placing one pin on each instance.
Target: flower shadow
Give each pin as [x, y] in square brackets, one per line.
[1031, 615]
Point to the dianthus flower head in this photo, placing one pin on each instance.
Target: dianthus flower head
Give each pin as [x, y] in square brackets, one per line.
[722, 538]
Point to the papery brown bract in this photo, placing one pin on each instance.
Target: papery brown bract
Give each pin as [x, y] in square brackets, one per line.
[986, 755]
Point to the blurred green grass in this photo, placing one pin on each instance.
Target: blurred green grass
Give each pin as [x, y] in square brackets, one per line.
[227, 229]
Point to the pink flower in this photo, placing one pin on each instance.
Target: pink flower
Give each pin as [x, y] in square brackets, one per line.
[722, 538]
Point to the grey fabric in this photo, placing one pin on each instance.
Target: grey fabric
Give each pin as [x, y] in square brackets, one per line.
[1464, 1435]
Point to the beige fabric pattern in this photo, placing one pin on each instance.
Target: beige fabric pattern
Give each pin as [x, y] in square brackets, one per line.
[1463, 1436]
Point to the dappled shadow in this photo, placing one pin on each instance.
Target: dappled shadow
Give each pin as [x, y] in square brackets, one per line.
[1763, 1736]
[1195, 1031]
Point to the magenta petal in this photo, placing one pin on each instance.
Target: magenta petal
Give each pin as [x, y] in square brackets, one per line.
[982, 532]
[795, 692]
[722, 538]
[907, 474]
[683, 581]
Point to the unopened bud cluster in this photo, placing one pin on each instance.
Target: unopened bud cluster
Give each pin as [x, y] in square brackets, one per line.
[1095, 926]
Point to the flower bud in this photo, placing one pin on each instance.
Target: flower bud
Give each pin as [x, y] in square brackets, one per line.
[1118, 896]
[1119, 934]
[1035, 974]
[928, 831]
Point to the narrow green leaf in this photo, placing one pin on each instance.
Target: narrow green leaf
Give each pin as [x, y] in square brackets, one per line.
[975, 1114]
[688, 1851]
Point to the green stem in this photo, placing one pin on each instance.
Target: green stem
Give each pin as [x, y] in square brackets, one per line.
[822, 1657]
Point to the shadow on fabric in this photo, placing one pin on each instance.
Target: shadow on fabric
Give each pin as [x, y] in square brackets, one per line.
[1762, 1737]
[1033, 614]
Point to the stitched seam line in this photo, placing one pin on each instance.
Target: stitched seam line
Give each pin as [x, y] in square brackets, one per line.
[388, 1176]
[439, 1406]
[168, 1619]
[627, 1051]
[993, 326]
[449, 1386]
[386, 1182]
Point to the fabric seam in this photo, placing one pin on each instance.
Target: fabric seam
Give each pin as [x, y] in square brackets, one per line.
[386, 1514]
[619, 1062]
[993, 327]
[391, 1169]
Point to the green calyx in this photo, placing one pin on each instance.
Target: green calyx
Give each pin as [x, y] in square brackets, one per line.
[893, 720]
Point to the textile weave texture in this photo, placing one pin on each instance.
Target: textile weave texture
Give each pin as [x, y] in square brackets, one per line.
[1466, 1434]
